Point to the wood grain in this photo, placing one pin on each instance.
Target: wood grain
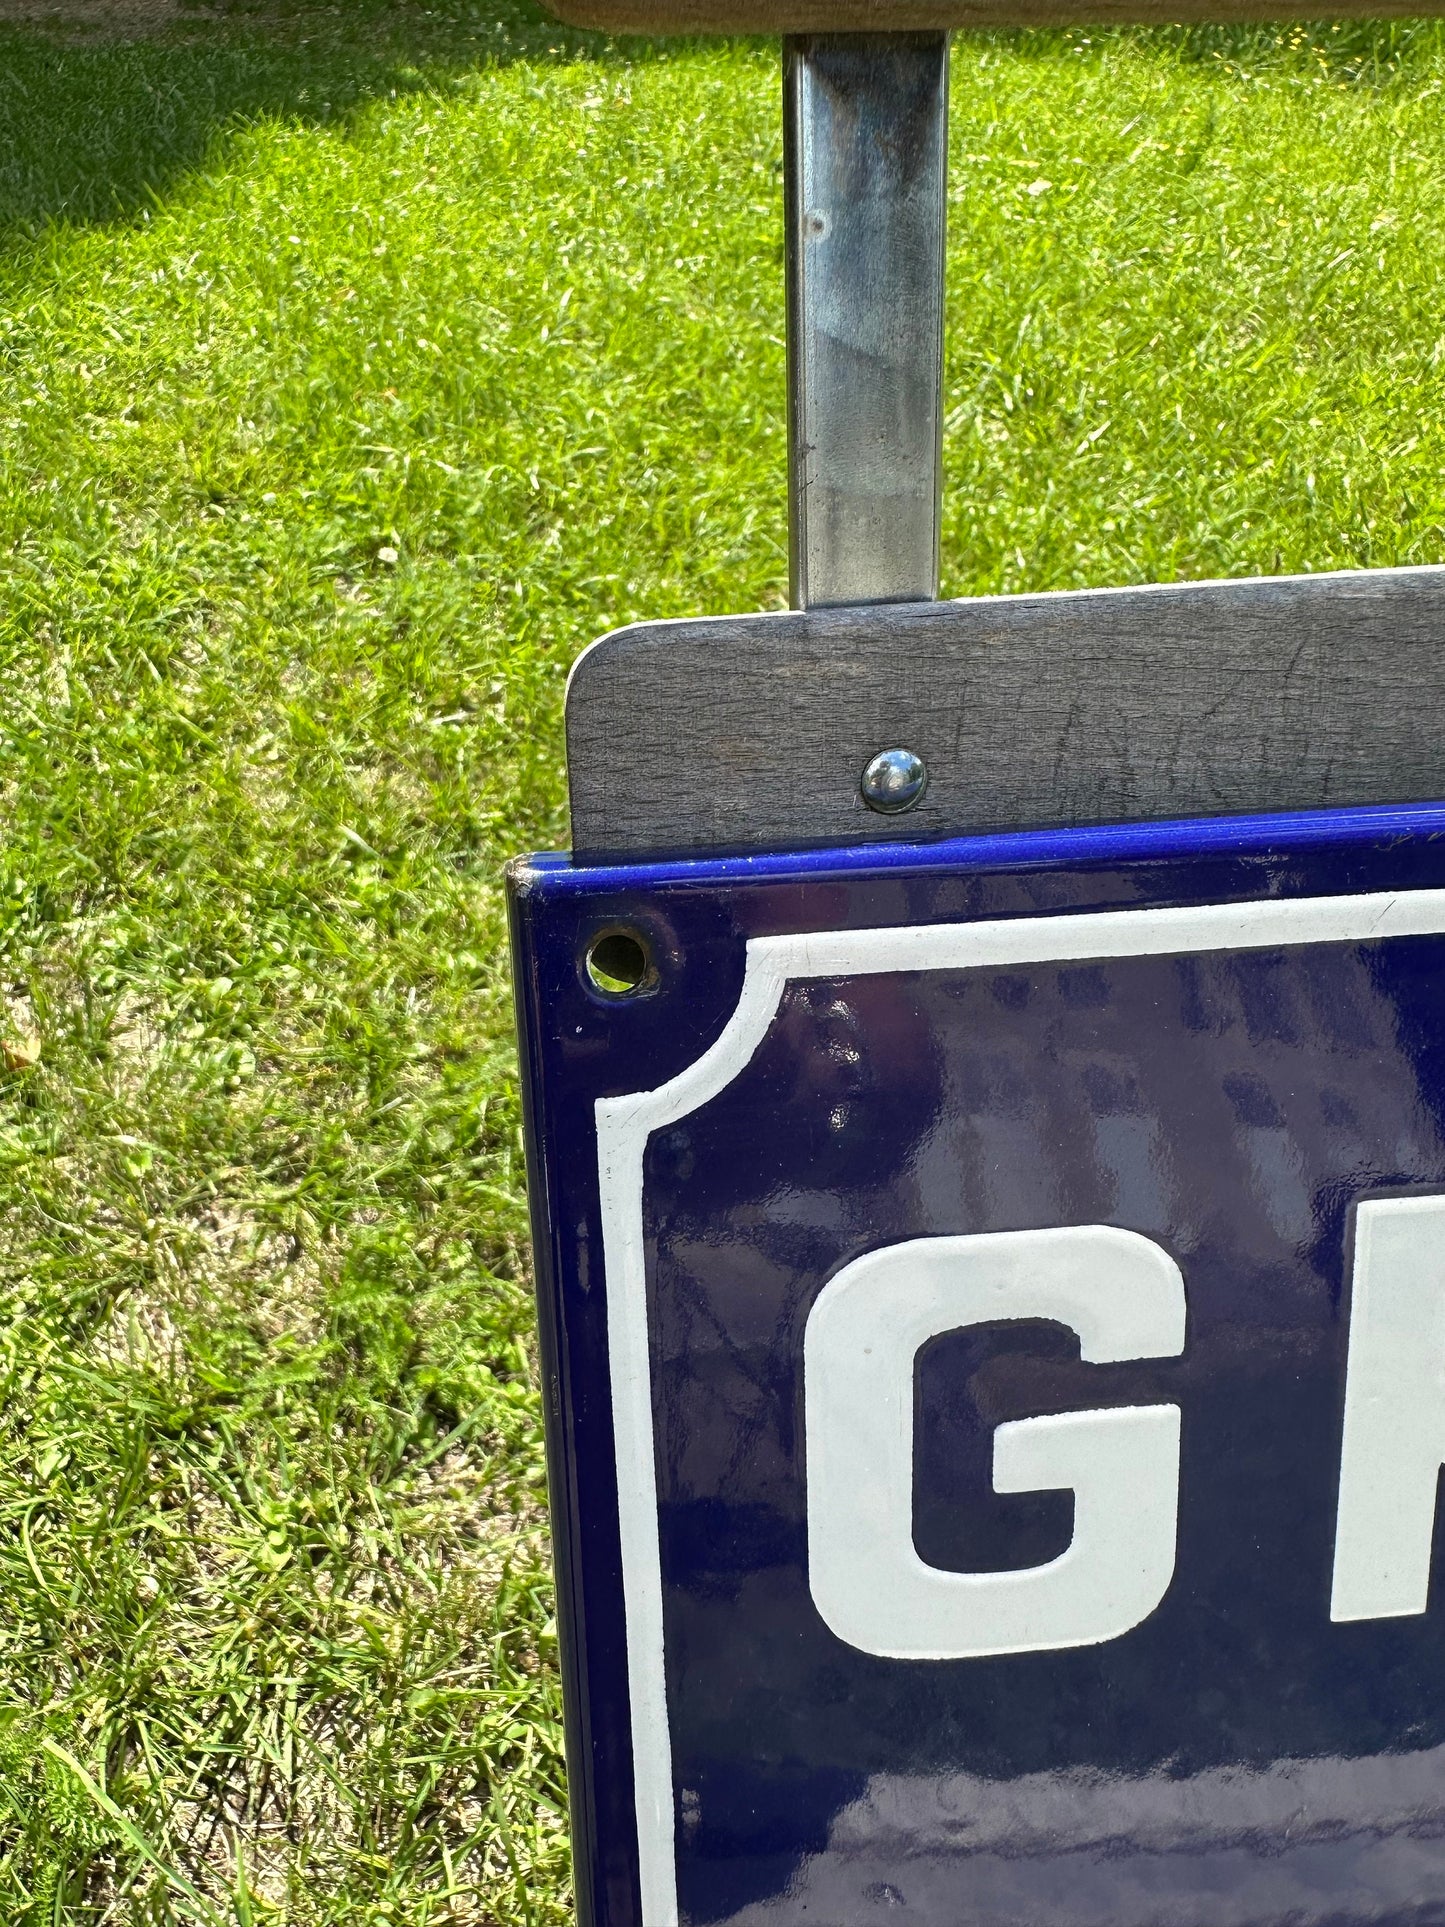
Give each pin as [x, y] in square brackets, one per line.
[1191, 699]
[907, 16]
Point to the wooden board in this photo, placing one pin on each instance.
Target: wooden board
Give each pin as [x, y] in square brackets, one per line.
[907, 16]
[1190, 699]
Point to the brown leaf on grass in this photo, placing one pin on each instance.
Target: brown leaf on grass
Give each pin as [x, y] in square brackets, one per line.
[20, 1052]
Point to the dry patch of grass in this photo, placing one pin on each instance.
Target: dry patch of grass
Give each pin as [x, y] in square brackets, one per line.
[122, 19]
[90, 21]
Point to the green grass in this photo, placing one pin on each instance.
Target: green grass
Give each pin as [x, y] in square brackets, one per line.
[354, 374]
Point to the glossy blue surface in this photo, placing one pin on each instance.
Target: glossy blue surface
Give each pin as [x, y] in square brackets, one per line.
[1237, 1757]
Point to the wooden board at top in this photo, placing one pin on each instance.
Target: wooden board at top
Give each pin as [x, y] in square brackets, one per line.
[1031, 712]
[913, 16]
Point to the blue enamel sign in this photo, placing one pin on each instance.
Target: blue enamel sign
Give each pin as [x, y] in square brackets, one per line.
[994, 1329]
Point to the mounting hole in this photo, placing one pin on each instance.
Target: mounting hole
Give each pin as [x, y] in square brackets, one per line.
[619, 963]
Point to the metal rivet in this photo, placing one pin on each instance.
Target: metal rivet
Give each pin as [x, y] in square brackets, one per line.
[894, 781]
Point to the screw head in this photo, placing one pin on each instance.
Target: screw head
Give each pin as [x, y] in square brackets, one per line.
[894, 781]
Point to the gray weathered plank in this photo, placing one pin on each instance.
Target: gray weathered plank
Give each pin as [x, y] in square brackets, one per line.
[1113, 705]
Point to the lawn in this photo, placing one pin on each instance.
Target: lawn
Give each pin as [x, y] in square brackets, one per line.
[356, 368]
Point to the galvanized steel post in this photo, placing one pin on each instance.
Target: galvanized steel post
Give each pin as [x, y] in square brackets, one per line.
[866, 155]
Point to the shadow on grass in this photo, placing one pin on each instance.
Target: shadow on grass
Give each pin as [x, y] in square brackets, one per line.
[97, 128]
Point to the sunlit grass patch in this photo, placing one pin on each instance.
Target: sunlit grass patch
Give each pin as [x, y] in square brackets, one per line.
[353, 375]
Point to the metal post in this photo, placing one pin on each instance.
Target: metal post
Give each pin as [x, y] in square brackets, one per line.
[866, 151]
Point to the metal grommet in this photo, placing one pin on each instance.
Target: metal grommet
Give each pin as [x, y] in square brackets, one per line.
[894, 781]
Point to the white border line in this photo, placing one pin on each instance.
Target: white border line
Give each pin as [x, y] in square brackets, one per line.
[624, 1124]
